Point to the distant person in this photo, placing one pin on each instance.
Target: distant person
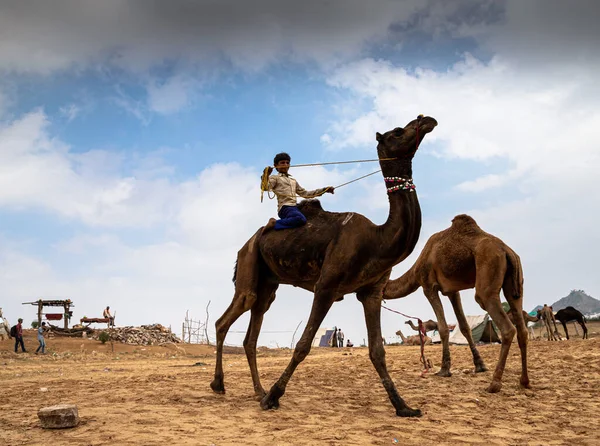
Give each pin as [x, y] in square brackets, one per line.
[340, 337]
[19, 337]
[349, 343]
[107, 315]
[41, 339]
[334, 340]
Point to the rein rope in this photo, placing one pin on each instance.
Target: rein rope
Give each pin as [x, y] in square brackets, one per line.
[422, 335]
[264, 179]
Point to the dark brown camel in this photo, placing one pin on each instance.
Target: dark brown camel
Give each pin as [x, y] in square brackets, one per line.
[569, 314]
[427, 325]
[332, 255]
[461, 257]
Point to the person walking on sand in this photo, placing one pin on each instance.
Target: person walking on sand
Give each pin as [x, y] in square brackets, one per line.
[19, 337]
[41, 339]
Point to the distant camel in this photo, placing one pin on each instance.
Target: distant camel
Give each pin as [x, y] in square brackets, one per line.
[427, 325]
[4, 327]
[462, 257]
[527, 318]
[546, 315]
[413, 340]
[571, 314]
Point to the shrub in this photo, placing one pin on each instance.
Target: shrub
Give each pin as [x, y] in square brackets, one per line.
[35, 324]
[103, 337]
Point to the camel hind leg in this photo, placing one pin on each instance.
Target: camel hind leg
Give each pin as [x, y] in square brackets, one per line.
[516, 307]
[466, 331]
[433, 297]
[266, 296]
[488, 283]
[246, 285]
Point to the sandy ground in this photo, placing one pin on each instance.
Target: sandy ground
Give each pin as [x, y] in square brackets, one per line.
[157, 395]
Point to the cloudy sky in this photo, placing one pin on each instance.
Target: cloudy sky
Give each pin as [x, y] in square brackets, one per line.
[132, 136]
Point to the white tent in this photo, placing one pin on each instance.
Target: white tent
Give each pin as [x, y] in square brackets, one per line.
[482, 328]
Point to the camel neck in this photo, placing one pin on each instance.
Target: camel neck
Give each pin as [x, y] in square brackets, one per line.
[400, 233]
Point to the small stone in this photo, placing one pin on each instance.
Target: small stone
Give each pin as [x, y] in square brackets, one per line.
[59, 417]
[43, 389]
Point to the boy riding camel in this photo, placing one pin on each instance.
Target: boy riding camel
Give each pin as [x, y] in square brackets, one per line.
[287, 188]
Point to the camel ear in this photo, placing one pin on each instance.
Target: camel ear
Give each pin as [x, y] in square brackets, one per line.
[378, 136]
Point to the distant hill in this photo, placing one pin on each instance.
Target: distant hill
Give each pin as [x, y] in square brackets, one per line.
[578, 299]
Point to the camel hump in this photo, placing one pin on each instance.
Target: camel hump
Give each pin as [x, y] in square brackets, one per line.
[310, 208]
[465, 223]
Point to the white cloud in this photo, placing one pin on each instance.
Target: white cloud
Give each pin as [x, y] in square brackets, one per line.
[486, 111]
[171, 96]
[70, 112]
[191, 229]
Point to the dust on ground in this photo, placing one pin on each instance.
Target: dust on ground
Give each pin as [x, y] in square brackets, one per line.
[158, 395]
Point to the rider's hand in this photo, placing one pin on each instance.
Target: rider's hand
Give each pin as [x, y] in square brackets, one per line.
[330, 189]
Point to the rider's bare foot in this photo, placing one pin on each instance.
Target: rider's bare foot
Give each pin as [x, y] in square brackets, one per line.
[270, 225]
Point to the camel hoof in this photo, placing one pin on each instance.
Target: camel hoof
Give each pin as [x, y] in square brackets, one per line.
[258, 396]
[480, 368]
[494, 387]
[269, 403]
[408, 412]
[217, 387]
[525, 384]
[444, 373]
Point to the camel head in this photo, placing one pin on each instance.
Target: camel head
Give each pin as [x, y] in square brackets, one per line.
[402, 143]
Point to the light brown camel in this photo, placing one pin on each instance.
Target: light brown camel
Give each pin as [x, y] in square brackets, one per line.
[413, 340]
[332, 255]
[427, 325]
[461, 257]
[547, 316]
[527, 319]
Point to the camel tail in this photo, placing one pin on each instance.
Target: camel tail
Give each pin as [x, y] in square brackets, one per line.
[234, 272]
[514, 277]
[246, 268]
[402, 286]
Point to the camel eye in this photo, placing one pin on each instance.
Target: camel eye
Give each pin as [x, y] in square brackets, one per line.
[398, 131]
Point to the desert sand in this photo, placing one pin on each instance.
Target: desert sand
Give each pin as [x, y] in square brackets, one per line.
[160, 395]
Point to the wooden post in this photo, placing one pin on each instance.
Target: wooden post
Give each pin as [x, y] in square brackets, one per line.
[40, 306]
[183, 331]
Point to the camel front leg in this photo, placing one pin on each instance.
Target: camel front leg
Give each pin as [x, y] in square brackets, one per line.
[321, 304]
[564, 324]
[466, 331]
[584, 328]
[434, 299]
[241, 303]
[266, 296]
[372, 308]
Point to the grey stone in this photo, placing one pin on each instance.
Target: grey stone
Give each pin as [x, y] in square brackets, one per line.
[59, 417]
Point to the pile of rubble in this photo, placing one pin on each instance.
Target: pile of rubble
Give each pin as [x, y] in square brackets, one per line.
[155, 334]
